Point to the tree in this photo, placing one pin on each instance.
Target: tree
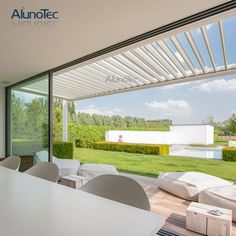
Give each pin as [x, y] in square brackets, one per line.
[18, 116]
[229, 125]
[72, 116]
[210, 120]
[37, 117]
[232, 123]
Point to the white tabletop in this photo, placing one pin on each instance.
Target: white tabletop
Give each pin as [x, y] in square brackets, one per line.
[30, 206]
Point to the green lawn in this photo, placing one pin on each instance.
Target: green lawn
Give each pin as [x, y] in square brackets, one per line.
[150, 165]
[222, 143]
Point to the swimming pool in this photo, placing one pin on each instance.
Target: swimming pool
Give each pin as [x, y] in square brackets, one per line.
[198, 152]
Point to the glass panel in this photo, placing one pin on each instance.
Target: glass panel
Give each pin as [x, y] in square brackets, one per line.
[230, 39]
[28, 109]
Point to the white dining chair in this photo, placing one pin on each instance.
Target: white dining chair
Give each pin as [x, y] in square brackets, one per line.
[12, 162]
[118, 188]
[44, 170]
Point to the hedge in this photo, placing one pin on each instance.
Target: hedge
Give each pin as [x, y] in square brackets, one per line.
[229, 154]
[63, 150]
[150, 149]
[84, 136]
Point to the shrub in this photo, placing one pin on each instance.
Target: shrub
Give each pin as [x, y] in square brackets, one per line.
[84, 136]
[150, 149]
[78, 143]
[63, 150]
[229, 154]
[164, 149]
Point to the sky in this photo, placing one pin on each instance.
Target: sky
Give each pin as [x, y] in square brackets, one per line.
[186, 103]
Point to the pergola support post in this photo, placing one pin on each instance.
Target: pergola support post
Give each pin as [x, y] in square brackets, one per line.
[64, 120]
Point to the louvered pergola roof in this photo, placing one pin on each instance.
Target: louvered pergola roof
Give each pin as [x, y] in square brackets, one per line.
[201, 50]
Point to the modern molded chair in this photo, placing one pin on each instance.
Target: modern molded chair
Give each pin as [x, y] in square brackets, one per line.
[118, 188]
[12, 162]
[44, 170]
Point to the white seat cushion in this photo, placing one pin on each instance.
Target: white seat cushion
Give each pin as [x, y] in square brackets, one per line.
[188, 185]
[66, 166]
[92, 170]
[224, 197]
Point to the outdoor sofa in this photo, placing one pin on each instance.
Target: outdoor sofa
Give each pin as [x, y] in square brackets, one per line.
[73, 167]
[188, 185]
[196, 186]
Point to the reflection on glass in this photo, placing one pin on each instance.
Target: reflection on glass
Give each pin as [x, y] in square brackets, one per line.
[28, 105]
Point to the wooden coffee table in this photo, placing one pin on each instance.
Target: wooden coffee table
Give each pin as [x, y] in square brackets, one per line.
[208, 220]
[73, 181]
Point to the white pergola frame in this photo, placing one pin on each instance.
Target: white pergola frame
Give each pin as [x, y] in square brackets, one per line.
[149, 63]
[150, 67]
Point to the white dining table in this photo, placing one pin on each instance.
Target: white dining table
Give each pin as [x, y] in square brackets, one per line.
[30, 206]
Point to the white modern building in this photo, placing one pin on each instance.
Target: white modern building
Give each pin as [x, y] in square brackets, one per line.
[178, 134]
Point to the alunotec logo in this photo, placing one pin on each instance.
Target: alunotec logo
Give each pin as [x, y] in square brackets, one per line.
[125, 79]
[41, 14]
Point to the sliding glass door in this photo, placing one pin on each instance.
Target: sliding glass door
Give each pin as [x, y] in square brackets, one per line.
[28, 119]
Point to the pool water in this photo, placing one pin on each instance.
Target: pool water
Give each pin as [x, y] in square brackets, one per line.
[198, 152]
